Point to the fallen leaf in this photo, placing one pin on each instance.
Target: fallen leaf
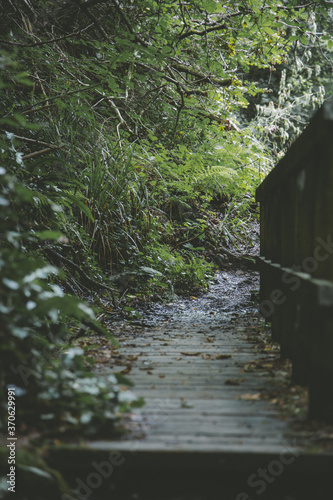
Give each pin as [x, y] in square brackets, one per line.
[191, 353]
[250, 397]
[234, 381]
[216, 356]
[126, 370]
[223, 356]
[132, 357]
[161, 376]
[267, 366]
[185, 405]
[257, 365]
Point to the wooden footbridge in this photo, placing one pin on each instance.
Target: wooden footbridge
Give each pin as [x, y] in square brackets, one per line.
[210, 428]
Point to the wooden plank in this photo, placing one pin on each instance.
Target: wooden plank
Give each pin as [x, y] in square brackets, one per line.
[189, 406]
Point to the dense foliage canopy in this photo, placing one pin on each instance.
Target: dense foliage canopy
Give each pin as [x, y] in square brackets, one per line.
[133, 134]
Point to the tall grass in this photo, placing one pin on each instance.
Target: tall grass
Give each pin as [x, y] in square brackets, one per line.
[117, 197]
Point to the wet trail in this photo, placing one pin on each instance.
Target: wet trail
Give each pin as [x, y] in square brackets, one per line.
[228, 296]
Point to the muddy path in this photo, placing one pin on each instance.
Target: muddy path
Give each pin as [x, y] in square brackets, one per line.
[228, 296]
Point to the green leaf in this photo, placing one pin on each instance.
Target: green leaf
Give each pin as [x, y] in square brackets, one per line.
[268, 30]
[166, 50]
[48, 235]
[209, 5]
[76, 201]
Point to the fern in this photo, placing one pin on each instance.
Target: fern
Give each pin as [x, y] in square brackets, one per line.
[216, 178]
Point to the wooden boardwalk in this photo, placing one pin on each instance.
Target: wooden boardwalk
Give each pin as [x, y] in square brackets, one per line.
[198, 391]
[206, 417]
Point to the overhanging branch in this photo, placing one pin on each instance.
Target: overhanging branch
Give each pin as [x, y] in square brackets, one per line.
[218, 26]
[201, 76]
[35, 44]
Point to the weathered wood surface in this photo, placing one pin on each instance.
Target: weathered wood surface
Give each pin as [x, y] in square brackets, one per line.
[195, 434]
[296, 263]
[198, 433]
[189, 402]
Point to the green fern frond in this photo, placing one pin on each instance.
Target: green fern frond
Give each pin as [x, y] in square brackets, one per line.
[216, 177]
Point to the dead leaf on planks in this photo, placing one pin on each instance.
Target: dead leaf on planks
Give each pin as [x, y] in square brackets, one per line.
[126, 370]
[250, 397]
[234, 381]
[191, 353]
[257, 366]
[216, 356]
[205, 355]
[256, 396]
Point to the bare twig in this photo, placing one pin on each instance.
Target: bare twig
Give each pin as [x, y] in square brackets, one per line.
[35, 44]
[28, 139]
[38, 109]
[40, 152]
[217, 26]
[59, 96]
[200, 76]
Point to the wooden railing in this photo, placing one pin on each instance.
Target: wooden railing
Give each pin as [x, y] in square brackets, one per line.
[296, 261]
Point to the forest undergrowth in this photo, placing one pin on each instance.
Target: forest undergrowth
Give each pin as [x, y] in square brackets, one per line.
[133, 137]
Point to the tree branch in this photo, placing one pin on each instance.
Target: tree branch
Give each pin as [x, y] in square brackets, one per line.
[180, 106]
[200, 76]
[40, 152]
[85, 9]
[203, 32]
[128, 24]
[217, 27]
[28, 139]
[186, 69]
[35, 44]
[59, 96]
